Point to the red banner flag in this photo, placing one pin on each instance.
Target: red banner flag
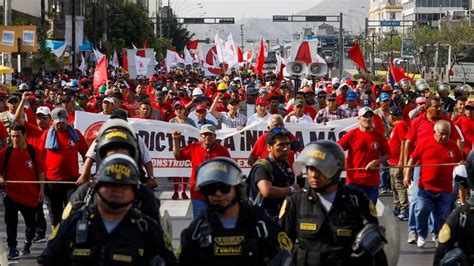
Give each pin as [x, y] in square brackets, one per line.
[100, 73]
[398, 73]
[260, 59]
[355, 54]
[193, 44]
[124, 60]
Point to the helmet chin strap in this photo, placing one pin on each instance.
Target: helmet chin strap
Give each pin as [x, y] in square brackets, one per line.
[221, 209]
[114, 205]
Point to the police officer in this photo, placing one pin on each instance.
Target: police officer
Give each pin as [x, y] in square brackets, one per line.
[329, 222]
[115, 136]
[230, 232]
[111, 232]
[456, 237]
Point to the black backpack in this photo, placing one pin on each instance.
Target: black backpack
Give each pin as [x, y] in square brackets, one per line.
[8, 153]
[253, 193]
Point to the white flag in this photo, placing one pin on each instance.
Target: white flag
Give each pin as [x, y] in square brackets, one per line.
[60, 50]
[187, 56]
[141, 65]
[83, 66]
[232, 53]
[98, 55]
[115, 62]
[219, 48]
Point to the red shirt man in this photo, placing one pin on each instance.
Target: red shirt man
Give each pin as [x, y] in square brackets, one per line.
[466, 124]
[397, 137]
[366, 149]
[199, 152]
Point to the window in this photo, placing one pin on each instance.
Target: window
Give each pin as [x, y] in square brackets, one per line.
[392, 15]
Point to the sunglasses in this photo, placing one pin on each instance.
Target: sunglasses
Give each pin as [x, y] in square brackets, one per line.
[331, 100]
[211, 189]
[322, 97]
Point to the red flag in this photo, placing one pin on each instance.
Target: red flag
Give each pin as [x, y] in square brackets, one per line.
[193, 44]
[145, 43]
[240, 55]
[398, 73]
[124, 60]
[100, 73]
[355, 54]
[260, 59]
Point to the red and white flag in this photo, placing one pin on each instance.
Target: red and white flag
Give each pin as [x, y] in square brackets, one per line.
[100, 73]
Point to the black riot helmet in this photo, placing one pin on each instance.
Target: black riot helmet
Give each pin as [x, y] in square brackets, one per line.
[324, 155]
[114, 134]
[218, 170]
[118, 169]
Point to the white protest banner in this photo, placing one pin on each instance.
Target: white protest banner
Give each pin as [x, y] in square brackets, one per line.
[158, 139]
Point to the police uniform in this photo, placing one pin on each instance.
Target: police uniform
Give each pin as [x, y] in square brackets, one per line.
[146, 201]
[325, 238]
[136, 240]
[255, 240]
[457, 232]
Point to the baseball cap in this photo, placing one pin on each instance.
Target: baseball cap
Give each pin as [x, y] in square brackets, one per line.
[197, 92]
[299, 103]
[384, 96]
[43, 110]
[12, 98]
[252, 91]
[59, 115]
[261, 101]
[201, 107]
[469, 105]
[109, 99]
[351, 96]
[331, 96]
[159, 95]
[208, 128]
[263, 90]
[395, 111]
[365, 110]
[420, 100]
[83, 96]
[179, 103]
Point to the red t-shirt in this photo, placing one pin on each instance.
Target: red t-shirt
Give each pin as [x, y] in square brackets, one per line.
[3, 131]
[406, 112]
[421, 128]
[197, 155]
[33, 135]
[340, 99]
[362, 148]
[30, 115]
[71, 117]
[399, 131]
[436, 178]
[467, 128]
[62, 164]
[21, 167]
[260, 151]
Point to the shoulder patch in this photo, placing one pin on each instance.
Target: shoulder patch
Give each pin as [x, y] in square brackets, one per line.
[67, 211]
[282, 210]
[373, 210]
[444, 234]
[54, 233]
[167, 240]
[285, 242]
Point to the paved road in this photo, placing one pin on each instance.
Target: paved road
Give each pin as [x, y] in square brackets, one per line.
[409, 254]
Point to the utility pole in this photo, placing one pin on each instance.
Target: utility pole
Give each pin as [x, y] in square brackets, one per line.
[341, 46]
[73, 35]
[7, 20]
[242, 37]
[104, 20]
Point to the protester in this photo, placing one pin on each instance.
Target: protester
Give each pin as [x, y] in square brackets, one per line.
[261, 114]
[297, 115]
[21, 162]
[436, 182]
[199, 152]
[367, 149]
[331, 112]
[232, 118]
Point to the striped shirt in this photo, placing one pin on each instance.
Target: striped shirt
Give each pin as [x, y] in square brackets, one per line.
[227, 121]
[324, 115]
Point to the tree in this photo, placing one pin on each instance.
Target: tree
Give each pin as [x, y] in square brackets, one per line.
[128, 24]
[425, 39]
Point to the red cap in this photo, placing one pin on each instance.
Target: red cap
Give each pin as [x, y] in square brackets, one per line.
[201, 107]
[152, 79]
[261, 101]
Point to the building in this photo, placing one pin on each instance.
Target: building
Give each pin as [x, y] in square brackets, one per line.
[429, 12]
[380, 10]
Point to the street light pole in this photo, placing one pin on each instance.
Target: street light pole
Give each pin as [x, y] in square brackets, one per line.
[242, 37]
[104, 20]
[341, 46]
[73, 35]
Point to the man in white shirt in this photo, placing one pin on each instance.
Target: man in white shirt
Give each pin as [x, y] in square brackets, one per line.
[261, 114]
[298, 115]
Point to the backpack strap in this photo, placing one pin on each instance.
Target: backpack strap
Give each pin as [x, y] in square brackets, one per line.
[257, 199]
[8, 153]
[32, 153]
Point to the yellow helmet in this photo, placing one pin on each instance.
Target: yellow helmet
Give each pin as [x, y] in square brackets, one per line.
[222, 86]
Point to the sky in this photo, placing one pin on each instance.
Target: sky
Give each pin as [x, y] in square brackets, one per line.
[239, 9]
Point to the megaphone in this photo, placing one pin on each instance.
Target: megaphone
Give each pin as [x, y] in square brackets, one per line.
[317, 69]
[196, 65]
[180, 65]
[296, 68]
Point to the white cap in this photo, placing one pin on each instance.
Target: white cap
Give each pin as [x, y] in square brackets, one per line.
[109, 99]
[44, 110]
[334, 80]
[365, 110]
[197, 92]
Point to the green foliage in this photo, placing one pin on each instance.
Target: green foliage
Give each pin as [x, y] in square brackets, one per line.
[43, 60]
[128, 24]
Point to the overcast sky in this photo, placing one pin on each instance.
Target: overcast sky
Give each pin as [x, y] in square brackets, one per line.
[239, 8]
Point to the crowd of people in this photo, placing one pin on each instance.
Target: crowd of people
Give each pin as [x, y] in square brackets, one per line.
[400, 127]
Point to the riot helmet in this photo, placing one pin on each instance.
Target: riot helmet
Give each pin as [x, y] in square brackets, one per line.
[324, 155]
[219, 169]
[116, 133]
[443, 88]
